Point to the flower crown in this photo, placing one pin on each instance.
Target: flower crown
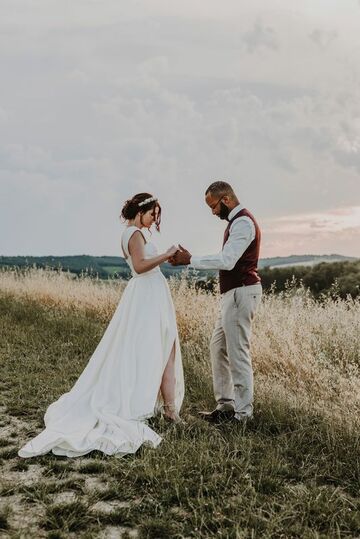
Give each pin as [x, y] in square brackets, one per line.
[147, 201]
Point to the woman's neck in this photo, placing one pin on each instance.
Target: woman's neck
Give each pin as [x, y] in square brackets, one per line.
[135, 222]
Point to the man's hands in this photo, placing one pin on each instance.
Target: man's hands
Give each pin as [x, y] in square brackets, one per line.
[181, 257]
[171, 251]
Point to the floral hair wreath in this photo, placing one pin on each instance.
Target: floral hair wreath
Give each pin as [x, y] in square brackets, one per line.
[147, 201]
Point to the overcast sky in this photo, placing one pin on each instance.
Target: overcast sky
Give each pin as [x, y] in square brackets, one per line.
[101, 99]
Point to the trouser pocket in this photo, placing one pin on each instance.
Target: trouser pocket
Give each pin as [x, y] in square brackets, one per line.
[247, 298]
[254, 300]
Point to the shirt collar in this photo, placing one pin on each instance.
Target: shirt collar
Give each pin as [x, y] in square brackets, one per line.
[234, 211]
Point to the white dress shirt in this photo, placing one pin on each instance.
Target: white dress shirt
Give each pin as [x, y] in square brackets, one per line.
[242, 233]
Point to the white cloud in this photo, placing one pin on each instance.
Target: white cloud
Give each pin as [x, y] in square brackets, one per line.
[260, 37]
[99, 102]
[4, 115]
[323, 38]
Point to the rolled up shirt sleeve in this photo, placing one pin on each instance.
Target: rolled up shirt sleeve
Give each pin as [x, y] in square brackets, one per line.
[242, 233]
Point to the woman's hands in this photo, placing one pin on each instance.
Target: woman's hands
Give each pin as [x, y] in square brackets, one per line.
[171, 251]
[142, 264]
[182, 257]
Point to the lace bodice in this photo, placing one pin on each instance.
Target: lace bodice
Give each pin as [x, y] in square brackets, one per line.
[149, 250]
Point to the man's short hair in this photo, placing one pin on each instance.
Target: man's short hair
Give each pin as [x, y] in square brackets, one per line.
[220, 188]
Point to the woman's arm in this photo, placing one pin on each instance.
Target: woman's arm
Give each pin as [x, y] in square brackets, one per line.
[136, 250]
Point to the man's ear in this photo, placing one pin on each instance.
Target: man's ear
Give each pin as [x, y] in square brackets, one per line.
[226, 200]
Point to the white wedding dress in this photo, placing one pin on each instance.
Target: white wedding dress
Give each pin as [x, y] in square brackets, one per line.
[118, 390]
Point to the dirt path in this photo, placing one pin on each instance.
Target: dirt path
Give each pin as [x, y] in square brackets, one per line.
[30, 492]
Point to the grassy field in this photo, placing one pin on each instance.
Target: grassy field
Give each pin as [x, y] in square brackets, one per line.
[294, 472]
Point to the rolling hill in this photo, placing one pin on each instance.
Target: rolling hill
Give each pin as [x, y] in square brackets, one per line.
[115, 266]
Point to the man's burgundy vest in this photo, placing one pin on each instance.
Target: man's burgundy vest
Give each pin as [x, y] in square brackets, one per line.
[245, 270]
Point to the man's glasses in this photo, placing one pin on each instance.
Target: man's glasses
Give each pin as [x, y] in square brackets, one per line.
[213, 207]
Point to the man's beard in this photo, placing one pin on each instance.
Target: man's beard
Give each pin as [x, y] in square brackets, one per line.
[224, 211]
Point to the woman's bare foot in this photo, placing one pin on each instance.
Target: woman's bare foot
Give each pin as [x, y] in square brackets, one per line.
[170, 413]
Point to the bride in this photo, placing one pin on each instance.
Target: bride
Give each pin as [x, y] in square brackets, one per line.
[136, 369]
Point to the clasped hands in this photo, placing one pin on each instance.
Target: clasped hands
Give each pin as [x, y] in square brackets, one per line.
[180, 257]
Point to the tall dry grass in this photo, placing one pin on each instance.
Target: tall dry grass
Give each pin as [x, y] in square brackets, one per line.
[63, 289]
[294, 472]
[305, 352]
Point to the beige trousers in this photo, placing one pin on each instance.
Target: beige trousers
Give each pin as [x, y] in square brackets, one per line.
[230, 350]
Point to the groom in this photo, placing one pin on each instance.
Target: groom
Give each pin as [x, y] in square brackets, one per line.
[240, 288]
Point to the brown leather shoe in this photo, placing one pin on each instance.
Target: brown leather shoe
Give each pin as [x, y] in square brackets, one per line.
[217, 416]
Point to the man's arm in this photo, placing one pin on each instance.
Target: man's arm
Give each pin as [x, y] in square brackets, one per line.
[242, 233]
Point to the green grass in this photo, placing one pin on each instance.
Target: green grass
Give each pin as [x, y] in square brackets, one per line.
[20, 466]
[5, 443]
[93, 467]
[290, 474]
[69, 517]
[4, 525]
[111, 270]
[50, 486]
[61, 470]
[8, 453]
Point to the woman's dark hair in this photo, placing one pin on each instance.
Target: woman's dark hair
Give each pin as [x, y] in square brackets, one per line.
[131, 208]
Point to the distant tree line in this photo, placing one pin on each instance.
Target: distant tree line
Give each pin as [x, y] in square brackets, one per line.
[101, 267]
[339, 278]
[334, 279]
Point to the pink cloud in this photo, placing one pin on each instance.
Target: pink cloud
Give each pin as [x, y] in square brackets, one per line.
[334, 231]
